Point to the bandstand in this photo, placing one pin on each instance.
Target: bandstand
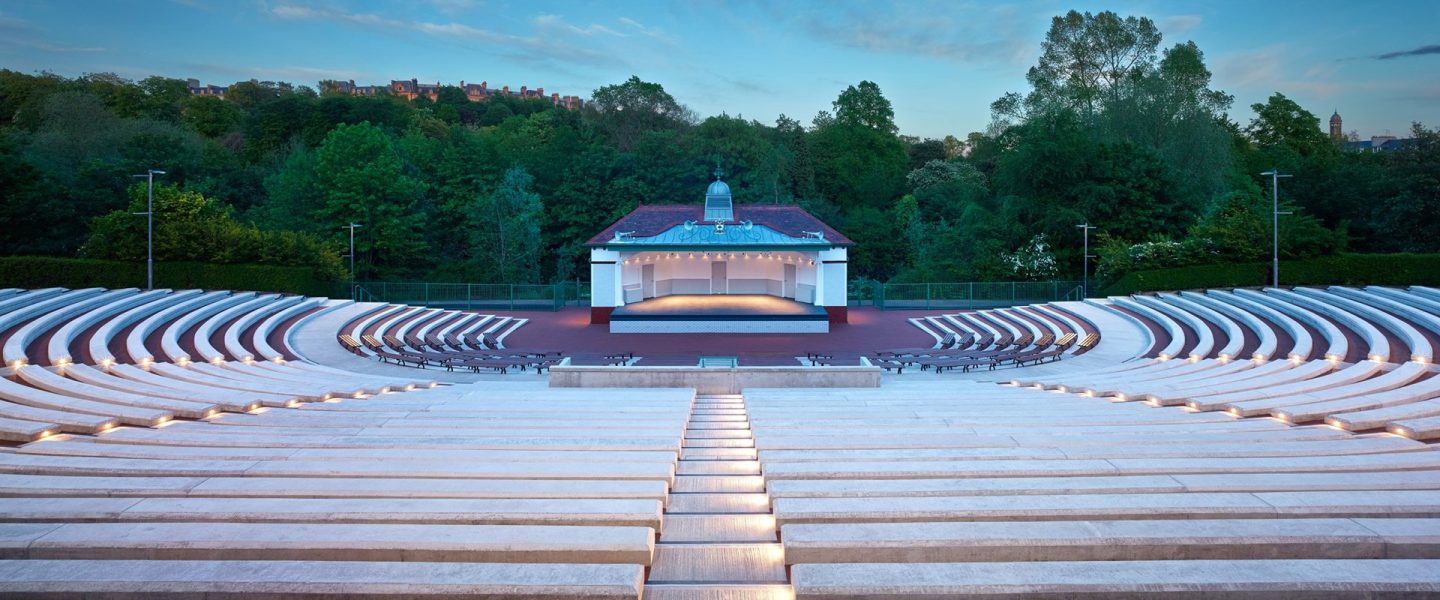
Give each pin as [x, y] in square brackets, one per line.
[718, 268]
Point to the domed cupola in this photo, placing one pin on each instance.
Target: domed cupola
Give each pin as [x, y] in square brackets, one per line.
[719, 206]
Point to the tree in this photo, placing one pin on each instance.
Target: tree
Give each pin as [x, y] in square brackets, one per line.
[505, 231]
[211, 116]
[865, 106]
[1282, 124]
[360, 179]
[1087, 56]
[937, 172]
[628, 110]
[191, 227]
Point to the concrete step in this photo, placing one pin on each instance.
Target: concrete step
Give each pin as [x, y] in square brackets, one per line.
[718, 563]
[718, 503]
[718, 443]
[717, 425]
[1390, 504]
[717, 434]
[717, 454]
[1124, 484]
[709, 418]
[186, 579]
[622, 513]
[717, 467]
[719, 483]
[1122, 579]
[672, 591]
[329, 541]
[718, 528]
[1176, 539]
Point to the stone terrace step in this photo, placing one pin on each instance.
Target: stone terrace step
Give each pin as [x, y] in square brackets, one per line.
[329, 541]
[1395, 504]
[234, 579]
[718, 528]
[1123, 579]
[1126, 484]
[627, 516]
[1177, 539]
[718, 563]
[668, 591]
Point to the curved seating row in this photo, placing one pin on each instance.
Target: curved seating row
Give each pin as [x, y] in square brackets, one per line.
[1353, 355]
[993, 337]
[85, 361]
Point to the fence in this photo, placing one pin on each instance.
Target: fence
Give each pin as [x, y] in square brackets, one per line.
[554, 296]
[468, 296]
[973, 294]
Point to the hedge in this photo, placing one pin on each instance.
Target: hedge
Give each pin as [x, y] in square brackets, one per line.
[1343, 269]
[47, 271]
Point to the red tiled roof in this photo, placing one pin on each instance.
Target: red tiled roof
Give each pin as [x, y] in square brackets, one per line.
[648, 220]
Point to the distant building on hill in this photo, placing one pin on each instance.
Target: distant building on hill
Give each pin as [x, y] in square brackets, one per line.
[1378, 143]
[349, 87]
[412, 88]
[205, 90]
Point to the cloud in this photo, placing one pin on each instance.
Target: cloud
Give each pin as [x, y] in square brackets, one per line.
[651, 32]
[531, 49]
[451, 7]
[12, 24]
[1178, 24]
[934, 30]
[1421, 51]
[1261, 65]
[282, 73]
[558, 23]
[57, 48]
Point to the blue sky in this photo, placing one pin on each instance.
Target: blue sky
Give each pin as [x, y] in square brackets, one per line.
[940, 63]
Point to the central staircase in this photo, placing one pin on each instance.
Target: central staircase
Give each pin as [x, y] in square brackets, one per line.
[718, 540]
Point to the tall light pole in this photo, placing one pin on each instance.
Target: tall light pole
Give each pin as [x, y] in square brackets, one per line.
[1275, 213]
[1085, 259]
[149, 213]
[352, 227]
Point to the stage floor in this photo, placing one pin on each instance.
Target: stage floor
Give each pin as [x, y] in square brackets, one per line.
[747, 306]
[741, 313]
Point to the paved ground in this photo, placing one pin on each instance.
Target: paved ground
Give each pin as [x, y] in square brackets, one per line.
[868, 330]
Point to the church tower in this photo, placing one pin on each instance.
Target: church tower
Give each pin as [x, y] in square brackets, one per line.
[1336, 131]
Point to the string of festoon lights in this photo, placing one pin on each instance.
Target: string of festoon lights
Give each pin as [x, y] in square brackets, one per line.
[669, 256]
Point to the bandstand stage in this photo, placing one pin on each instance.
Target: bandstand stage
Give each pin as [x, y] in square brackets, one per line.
[719, 268]
[720, 313]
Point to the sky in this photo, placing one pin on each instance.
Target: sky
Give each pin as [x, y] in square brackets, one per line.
[940, 63]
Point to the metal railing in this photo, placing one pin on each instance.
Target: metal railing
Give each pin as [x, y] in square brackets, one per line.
[972, 294]
[555, 296]
[469, 296]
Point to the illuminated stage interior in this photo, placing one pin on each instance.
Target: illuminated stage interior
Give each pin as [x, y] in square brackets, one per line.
[719, 313]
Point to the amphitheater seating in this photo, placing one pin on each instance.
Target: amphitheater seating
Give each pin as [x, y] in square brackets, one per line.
[173, 443]
[1221, 443]
[897, 493]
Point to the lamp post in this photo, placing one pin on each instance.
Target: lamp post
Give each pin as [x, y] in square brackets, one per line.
[1085, 259]
[1275, 213]
[149, 213]
[352, 227]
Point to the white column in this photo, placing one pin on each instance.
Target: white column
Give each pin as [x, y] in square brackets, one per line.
[831, 277]
[605, 289]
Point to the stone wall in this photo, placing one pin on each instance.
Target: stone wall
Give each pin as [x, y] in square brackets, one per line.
[715, 381]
